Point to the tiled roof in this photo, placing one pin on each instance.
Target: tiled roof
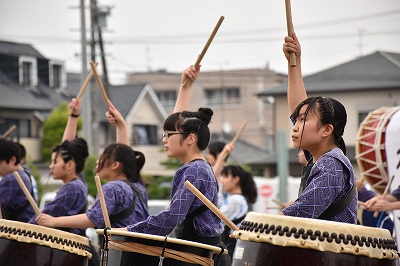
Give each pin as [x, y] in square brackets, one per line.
[18, 49]
[379, 70]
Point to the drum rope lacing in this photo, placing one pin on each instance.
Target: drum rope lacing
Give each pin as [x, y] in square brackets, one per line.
[388, 244]
[156, 251]
[46, 237]
[104, 248]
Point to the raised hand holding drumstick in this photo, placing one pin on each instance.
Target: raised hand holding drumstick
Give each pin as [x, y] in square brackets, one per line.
[220, 160]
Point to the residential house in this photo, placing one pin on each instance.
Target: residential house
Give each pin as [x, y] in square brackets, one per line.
[31, 85]
[232, 96]
[361, 85]
[143, 114]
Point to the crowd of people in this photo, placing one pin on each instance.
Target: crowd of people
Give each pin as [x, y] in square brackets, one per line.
[328, 188]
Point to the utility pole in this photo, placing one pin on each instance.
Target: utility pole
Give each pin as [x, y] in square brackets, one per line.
[95, 91]
[86, 98]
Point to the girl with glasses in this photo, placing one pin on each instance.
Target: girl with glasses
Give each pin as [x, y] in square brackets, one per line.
[186, 136]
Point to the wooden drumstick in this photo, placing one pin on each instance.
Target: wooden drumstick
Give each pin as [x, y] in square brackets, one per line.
[290, 30]
[385, 193]
[211, 206]
[103, 92]
[26, 192]
[9, 131]
[83, 88]
[238, 133]
[205, 48]
[102, 201]
[280, 204]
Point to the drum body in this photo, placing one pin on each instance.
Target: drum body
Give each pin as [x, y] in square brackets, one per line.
[265, 239]
[370, 147]
[134, 249]
[23, 244]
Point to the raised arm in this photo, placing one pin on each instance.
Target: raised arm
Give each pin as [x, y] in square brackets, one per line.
[220, 160]
[296, 90]
[74, 110]
[183, 100]
[115, 118]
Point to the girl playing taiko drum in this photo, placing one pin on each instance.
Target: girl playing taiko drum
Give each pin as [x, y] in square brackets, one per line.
[328, 191]
[186, 135]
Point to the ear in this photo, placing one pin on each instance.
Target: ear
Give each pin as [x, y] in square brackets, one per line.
[192, 138]
[70, 165]
[115, 165]
[236, 180]
[327, 130]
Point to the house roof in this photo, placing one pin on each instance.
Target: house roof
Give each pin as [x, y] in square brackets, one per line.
[40, 98]
[244, 152]
[379, 70]
[18, 49]
[124, 97]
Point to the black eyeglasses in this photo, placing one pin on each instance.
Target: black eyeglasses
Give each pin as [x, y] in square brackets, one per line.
[167, 135]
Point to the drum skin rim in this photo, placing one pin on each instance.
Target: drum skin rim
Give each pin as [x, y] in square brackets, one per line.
[332, 236]
[172, 240]
[44, 236]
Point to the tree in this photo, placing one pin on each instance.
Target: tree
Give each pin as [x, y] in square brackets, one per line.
[53, 130]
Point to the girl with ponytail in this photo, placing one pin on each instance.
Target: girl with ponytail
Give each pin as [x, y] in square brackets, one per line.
[327, 190]
[241, 193]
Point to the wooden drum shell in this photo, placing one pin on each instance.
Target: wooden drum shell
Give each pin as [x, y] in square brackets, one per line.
[33, 245]
[134, 249]
[287, 241]
[370, 147]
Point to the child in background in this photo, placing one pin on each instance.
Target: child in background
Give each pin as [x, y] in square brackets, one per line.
[241, 193]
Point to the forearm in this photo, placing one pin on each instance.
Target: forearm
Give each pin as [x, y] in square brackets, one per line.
[122, 134]
[183, 99]
[74, 221]
[296, 89]
[70, 128]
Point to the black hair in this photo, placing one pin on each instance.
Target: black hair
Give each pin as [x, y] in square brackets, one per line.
[191, 122]
[132, 161]
[216, 147]
[21, 149]
[9, 149]
[247, 184]
[76, 150]
[330, 111]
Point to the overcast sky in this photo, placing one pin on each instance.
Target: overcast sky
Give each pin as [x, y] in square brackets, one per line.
[169, 34]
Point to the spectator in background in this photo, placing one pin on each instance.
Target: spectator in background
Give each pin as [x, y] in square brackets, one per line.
[28, 171]
[367, 218]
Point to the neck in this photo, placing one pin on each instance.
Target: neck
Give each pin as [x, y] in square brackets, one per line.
[192, 157]
[117, 176]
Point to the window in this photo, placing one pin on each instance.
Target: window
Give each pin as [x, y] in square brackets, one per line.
[56, 75]
[22, 130]
[167, 98]
[361, 116]
[145, 135]
[28, 75]
[224, 96]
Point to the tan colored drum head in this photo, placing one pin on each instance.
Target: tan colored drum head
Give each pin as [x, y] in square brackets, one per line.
[317, 234]
[161, 239]
[44, 236]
